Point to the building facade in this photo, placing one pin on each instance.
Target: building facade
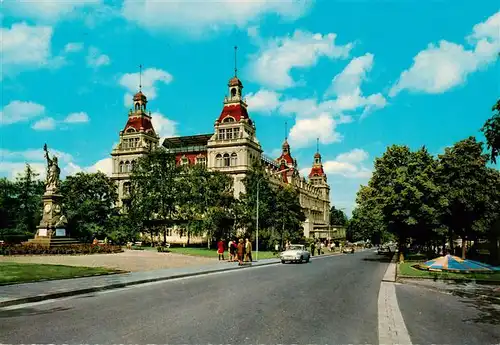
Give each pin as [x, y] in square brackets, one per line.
[232, 148]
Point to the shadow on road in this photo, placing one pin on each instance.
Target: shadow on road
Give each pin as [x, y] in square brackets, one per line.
[29, 312]
[488, 307]
[379, 259]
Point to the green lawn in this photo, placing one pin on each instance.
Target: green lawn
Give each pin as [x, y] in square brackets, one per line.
[213, 252]
[14, 273]
[406, 270]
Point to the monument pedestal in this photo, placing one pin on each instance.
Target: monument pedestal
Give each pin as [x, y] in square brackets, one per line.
[52, 229]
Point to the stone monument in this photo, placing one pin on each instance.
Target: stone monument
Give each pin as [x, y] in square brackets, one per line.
[52, 228]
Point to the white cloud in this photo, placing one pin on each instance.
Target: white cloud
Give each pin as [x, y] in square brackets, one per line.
[48, 11]
[19, 111]
[264, 101]
[73, 47]
[163, 126]
[45, 124]
[349, 80]
[199, 17]
[353, 156]
[14, 162]
[80, 117]
[151, 77]
[95, 59]
[305, 131]
[441, 67]
[273, 64]
[24, 46]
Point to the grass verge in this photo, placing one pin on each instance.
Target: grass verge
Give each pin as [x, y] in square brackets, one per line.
[15, 273]
[212, 253]
[407, 271]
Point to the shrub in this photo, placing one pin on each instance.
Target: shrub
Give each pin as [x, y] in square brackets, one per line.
[162, 249]
[36, 249]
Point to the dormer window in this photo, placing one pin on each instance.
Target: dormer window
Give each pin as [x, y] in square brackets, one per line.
[228, 119]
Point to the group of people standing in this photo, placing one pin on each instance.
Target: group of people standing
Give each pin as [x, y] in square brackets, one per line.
[239, 250]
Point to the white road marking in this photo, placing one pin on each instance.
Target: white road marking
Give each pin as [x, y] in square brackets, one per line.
[391, 325]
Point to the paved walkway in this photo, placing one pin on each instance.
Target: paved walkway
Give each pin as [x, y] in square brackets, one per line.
[38, 291]
[129, 260]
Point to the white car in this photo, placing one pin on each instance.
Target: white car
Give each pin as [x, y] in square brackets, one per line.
[296, 253]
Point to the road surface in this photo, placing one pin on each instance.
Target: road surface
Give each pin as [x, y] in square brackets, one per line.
[330, 300]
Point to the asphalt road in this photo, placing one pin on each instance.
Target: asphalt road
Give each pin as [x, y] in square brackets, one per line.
[330, 300]
[434, 317]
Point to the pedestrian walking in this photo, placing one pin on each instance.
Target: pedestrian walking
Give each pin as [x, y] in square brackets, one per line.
[240, 251]
[313, 248]
[248, 250]
[220, 249]
[231, 249]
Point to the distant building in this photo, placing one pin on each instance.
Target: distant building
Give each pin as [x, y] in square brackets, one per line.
[231, 149]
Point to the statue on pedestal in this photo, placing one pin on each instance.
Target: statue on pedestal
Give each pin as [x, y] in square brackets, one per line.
[52, 182]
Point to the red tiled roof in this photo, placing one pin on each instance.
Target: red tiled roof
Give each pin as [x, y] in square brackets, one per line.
[234, 81]
[287, 157]
[317, 171]
[139, 96]
[236, 111]
[137, 122]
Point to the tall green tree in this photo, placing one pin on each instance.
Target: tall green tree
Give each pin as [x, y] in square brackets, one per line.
[337, 216]
[29, 200]
[404, 184]
[154, 192]
[463, 175]
[288, 215]
[8, 204]
[491, 130]
[89, 204]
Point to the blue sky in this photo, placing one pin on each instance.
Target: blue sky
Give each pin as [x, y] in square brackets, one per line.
[360, 75]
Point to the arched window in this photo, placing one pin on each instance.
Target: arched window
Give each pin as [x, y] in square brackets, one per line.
[137, 106]
[121, 167]
[227, 160]
[228, 119]
[127, 166]
[218, 160]
[126, 188]
[233, 92]
[234, 159]
[130, 130]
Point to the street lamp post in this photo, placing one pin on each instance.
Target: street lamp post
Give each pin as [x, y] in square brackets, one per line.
[257, 215]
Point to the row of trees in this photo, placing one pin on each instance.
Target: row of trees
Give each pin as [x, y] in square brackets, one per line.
[162, 195]
[414, 196]
[198, 202]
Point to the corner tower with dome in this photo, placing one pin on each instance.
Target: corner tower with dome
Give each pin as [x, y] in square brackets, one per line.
[137, 139]
[232, 148]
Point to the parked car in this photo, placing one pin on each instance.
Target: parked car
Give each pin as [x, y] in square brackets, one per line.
[295, 253]
[384, 250]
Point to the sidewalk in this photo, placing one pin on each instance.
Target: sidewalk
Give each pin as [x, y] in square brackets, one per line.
[39, 291]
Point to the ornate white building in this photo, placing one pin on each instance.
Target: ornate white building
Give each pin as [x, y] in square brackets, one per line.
[231, 149]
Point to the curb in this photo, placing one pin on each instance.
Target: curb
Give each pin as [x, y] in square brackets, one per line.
[62, 294]
[388, 276]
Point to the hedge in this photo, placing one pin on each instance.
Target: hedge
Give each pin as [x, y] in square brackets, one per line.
[37, 249]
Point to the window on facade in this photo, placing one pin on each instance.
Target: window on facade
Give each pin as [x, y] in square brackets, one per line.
[126, 188]
[227, 160]
[201, 161]
[228, 119]
[222, 134]
[236, 133]
[127, 166]
[133, 164]
[136, 142]
[234, 159]
[229, 133]
[184, 161]
[218, 160]
[121, 167]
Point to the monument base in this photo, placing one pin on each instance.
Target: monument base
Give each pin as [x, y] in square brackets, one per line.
[52, 238]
